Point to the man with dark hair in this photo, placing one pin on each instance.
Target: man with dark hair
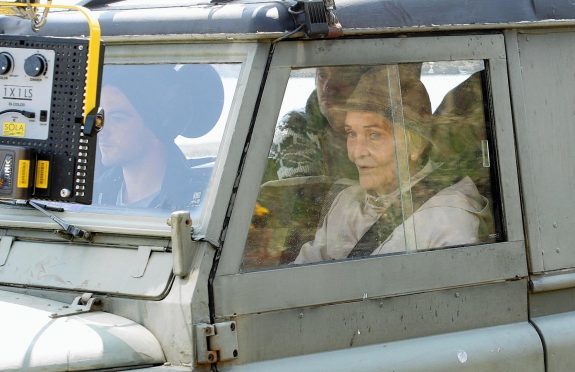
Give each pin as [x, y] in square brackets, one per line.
[312, 142]
[146, 108]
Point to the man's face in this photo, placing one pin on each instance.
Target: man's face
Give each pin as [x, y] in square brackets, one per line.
[371, 147]
[124, 137]
[334, 86]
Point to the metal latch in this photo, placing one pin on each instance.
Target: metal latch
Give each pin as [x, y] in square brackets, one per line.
[81, 304]
[216, 342]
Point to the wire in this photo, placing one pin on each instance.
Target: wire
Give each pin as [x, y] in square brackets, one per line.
[28, 114]
[288, 34]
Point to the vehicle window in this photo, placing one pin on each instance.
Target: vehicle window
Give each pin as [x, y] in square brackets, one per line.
[163, 127]
[375, 160]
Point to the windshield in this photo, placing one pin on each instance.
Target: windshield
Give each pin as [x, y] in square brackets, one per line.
[163, 127]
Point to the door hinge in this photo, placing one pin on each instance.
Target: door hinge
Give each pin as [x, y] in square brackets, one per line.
[81, 304]
[216, 342]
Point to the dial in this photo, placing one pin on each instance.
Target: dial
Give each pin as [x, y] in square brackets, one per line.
[35, 65]
[6, 63]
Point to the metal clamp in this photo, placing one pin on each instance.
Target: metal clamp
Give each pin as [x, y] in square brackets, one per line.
[81, 304]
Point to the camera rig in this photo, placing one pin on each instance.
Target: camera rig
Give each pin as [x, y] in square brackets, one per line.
[49, 116]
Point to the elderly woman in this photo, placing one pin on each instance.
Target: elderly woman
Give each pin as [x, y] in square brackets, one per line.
[428, 208]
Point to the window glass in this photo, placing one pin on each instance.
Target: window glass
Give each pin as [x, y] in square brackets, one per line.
[374, 160]
[162, 133]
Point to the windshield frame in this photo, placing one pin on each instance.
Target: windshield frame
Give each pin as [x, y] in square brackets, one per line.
[219, 189]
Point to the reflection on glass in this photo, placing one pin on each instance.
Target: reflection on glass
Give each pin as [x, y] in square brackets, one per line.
[398, 163]
[163, 127]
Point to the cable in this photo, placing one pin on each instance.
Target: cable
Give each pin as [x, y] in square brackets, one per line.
[28, 114]
[288, 34]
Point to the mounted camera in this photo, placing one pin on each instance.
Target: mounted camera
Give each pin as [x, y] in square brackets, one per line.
[49, 93]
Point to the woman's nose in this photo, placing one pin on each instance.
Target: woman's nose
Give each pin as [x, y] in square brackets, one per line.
[360, 147]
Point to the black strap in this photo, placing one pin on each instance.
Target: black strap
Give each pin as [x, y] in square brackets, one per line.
[377, 233]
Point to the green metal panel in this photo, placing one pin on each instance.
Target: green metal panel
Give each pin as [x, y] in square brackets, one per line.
[544, 91]
[514, 347]
[345, 326]
[389, 50]
[371, 278]
[551, 302]
[256, 161]
[88, 268]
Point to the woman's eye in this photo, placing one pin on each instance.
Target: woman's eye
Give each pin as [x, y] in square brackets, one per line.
[375, 136]
[351, 134]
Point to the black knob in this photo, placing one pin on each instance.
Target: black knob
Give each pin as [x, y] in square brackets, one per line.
[35, 65]
[6, 63]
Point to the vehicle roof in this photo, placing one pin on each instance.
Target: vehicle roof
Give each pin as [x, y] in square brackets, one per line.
[259, 18]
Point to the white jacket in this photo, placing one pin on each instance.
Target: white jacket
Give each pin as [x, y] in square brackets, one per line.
[449, 218]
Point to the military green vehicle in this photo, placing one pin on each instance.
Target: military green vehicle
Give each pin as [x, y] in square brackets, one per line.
[363, 185]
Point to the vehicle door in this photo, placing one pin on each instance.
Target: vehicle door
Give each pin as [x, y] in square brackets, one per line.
[303, 299]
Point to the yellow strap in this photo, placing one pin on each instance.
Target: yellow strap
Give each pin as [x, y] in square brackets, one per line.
[92, 67]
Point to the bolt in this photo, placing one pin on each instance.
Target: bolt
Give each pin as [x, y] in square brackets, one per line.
[557, 250]
[99, 123]
[555, 225]
[300, 315]
[210, 357]
[457, 295]
[233, 327]
[65, 193]
[80, 47]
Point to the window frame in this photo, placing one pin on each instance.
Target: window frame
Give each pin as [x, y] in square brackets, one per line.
[213, 213]
[374, 276]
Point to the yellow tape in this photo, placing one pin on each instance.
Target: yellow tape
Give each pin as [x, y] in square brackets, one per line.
[92, 68]
[23, 174]
[13, 129]
[42, 173]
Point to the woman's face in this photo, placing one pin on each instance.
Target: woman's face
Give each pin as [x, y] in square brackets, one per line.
[124, 137]
[371, 147]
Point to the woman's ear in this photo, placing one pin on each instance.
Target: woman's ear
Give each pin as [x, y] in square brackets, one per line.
[418, 146]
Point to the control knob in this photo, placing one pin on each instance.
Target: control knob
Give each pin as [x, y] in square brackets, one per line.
[6, 63]
[35, 65]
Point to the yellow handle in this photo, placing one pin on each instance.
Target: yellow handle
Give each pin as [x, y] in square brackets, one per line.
[92, 66]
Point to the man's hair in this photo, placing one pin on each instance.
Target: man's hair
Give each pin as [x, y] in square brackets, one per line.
[172, 99]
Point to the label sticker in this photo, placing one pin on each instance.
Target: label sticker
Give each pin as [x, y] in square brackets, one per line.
[14, 129]
[23, 174]
[42, 172]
